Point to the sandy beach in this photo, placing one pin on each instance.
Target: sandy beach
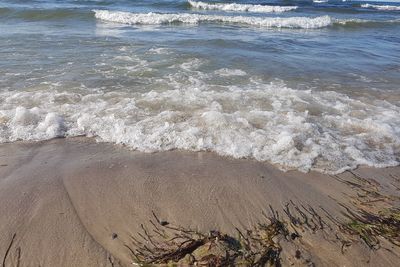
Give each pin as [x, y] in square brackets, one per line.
[199, 133]
[75, 202]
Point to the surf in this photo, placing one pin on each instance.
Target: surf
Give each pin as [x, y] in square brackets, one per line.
[382, 7]
[241, 7]
[188, 18]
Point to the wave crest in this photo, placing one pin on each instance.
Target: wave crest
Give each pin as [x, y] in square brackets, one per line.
[241, 7]
[187, 18]
[382, 7]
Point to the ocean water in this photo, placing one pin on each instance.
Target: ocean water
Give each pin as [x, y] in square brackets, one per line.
[307, 85]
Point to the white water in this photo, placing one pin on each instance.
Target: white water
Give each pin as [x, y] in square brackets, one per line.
[266, 22]
[241, 7]
[381, 7]
[295, 129]
[187, 18]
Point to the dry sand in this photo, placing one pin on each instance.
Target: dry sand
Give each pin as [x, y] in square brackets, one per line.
[65, 200]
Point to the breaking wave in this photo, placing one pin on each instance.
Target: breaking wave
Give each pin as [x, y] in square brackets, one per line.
[294, 129]
[382, 7]
[187, 18]
[241, 7]
[266, 22]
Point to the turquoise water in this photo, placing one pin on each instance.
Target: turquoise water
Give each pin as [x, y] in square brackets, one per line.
[304, 85]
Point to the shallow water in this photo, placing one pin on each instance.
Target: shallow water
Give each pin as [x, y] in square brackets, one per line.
[301, 84]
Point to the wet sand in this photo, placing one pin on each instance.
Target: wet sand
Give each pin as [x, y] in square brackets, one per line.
[75, 202]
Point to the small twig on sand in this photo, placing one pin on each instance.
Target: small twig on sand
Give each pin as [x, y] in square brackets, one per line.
[111, 261]
[8, 250]
[18, 256]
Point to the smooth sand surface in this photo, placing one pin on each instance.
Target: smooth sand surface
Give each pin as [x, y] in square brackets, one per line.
[65, 200]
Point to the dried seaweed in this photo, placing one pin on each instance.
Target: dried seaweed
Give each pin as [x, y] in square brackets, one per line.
[164, 243]
[369, 227]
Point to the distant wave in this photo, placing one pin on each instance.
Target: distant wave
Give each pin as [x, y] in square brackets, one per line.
[44, 14]
[241, 7]
[187, 18]
[382, 7]
[364, 22]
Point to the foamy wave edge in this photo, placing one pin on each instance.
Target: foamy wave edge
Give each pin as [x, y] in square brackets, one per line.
[291, 138]
[241, 7]
[187, 18]
[266, 22]
[382, 7]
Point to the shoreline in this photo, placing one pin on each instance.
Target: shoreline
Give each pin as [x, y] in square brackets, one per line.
[75, 202]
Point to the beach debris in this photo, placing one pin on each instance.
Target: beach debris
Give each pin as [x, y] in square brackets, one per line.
[18, 251]
[298, 254]
[8, 250]
[111, 261]
[114, 236]
[373, 213]
[162, 243]
[369, 226]
[164, 223]
[169, 244]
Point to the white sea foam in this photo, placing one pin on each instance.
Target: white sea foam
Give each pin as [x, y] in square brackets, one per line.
[33, 123]
[188, 18]
[381, 7]
[230, 72]
[159, 51]
[241, 7]
[295, 129]
[266, 22]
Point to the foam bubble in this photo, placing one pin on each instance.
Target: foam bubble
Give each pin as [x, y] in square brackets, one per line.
[192, 64]
[241, 7]
[230, 72]
[187, 18]
[31, 124]
[24, 116]
[53, 125]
